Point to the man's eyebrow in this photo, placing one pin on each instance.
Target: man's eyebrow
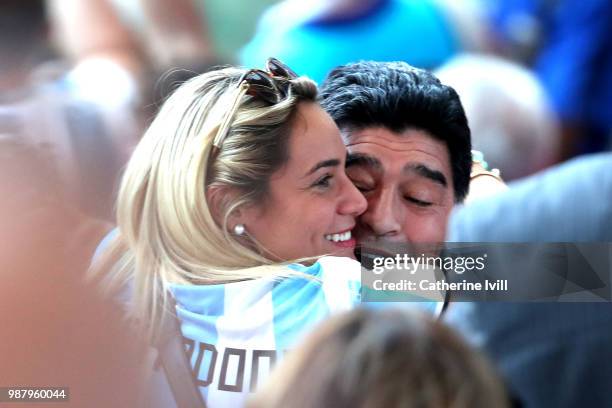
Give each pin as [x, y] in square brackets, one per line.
[360, 159]
[426, 172]
[324, 163]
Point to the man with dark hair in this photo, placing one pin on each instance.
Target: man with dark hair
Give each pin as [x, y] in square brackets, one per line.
[409, 148]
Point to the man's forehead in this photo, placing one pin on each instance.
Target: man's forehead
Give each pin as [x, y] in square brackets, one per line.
[383, 145]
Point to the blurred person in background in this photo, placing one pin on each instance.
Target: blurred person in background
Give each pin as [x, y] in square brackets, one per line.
[143, 37]
[48, 101]
[24, 43]
[117, 61]
[69, 116]
[551, 354]
[57, 331]
[172, 32]
[510, 116]
[568, 45]
[175, 36]
[77, 79]
[212, 29]
[231, 24]
[371, 359]
[315, 37]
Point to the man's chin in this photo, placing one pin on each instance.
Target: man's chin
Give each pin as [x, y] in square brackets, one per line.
[373, 248]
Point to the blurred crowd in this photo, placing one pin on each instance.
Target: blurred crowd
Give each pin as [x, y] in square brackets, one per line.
[80, 80]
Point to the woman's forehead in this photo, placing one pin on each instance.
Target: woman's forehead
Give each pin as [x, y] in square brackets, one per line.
[314, 137]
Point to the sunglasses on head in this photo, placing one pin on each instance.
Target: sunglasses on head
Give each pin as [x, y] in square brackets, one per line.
[270, 86]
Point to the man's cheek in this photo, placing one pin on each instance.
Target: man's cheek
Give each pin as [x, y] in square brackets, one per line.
[429, 229]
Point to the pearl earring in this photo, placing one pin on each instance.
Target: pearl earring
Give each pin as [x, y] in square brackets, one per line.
[239, 229]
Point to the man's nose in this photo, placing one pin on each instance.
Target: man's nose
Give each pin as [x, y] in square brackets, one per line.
[382, 217]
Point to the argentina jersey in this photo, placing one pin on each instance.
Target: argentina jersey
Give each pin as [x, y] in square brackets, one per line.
[234, 333]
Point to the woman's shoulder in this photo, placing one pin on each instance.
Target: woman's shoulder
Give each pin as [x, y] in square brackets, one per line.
[336, 283]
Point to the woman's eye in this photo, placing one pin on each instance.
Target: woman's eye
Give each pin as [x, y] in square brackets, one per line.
[324, 181]
[418, 202]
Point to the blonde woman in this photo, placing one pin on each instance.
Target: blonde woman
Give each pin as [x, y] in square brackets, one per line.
[240, 175]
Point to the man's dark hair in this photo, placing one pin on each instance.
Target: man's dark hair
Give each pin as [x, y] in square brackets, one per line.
[397, 96]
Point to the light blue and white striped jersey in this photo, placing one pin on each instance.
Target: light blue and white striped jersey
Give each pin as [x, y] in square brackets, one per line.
[235, 332]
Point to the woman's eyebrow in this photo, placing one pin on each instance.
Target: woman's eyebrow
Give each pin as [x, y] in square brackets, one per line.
[324, 163]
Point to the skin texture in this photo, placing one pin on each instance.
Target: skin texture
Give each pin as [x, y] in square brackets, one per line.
[407, 181]
[303, 206]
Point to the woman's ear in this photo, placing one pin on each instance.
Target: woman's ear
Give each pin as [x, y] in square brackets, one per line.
[219, 199]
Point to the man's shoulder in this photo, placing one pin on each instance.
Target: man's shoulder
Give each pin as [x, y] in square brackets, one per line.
[530, 210]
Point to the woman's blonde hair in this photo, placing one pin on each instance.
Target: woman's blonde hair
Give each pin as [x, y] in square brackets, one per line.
[167, 232]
